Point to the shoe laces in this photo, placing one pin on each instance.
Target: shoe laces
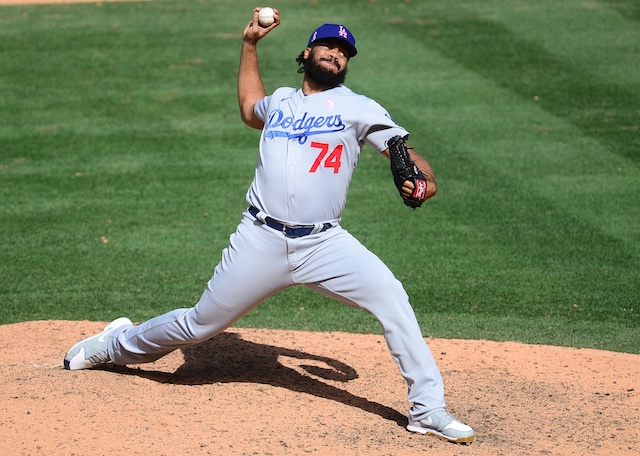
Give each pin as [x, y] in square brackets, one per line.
[96, 352]
[99, 357]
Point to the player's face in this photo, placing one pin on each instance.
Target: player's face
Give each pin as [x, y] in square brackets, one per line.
[326, 63]
[331, 55]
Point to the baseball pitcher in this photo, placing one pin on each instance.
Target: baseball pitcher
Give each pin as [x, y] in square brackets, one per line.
[290, 232]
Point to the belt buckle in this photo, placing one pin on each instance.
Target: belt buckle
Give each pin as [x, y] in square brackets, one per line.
[293, 233]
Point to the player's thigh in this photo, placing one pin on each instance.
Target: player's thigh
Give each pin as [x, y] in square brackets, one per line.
[252, 268]
[354, 275]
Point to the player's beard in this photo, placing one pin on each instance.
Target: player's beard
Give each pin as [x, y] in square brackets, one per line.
[323, 76]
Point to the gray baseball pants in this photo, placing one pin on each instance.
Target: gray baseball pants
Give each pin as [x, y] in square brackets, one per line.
[258, 263]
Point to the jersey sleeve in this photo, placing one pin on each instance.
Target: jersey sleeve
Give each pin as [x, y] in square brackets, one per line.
[261, 107]
[381, 127]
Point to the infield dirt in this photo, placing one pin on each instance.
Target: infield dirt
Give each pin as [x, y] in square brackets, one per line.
[264, 392]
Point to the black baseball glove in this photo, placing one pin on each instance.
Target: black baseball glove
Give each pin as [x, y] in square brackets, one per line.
[404, 169]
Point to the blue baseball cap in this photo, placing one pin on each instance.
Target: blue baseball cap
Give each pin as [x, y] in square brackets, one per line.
[335, 31]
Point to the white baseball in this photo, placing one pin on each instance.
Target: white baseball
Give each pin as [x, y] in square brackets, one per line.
[265, 16]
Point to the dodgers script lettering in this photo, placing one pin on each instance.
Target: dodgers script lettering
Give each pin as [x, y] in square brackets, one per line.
[280, 125]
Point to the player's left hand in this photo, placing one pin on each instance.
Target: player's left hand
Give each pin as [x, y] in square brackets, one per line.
[409, 179]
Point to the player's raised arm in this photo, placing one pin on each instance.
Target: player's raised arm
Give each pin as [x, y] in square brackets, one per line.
[250, 86]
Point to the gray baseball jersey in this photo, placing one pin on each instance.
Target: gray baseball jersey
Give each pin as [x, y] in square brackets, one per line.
[309, 149]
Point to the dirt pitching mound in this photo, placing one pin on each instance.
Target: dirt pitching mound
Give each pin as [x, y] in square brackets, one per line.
[260, 392]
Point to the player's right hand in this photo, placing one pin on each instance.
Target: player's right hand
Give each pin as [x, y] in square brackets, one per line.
[254, 31]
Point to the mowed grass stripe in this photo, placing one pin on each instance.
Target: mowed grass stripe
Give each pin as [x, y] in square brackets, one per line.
[531, 237]
[601, 109]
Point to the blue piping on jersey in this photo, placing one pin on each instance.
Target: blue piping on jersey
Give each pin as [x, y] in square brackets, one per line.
[301, 137]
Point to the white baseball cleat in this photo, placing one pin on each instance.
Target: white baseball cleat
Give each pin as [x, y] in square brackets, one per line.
[92, 352]
[442, 425]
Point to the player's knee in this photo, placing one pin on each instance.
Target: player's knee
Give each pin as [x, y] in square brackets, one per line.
[393, 288]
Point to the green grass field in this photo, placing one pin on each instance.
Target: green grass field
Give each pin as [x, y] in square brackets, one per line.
[124, 163]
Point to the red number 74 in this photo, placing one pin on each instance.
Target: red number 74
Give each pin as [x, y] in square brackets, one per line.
[332, 161]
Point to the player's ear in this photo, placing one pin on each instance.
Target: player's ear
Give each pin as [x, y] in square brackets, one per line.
[306, 53]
